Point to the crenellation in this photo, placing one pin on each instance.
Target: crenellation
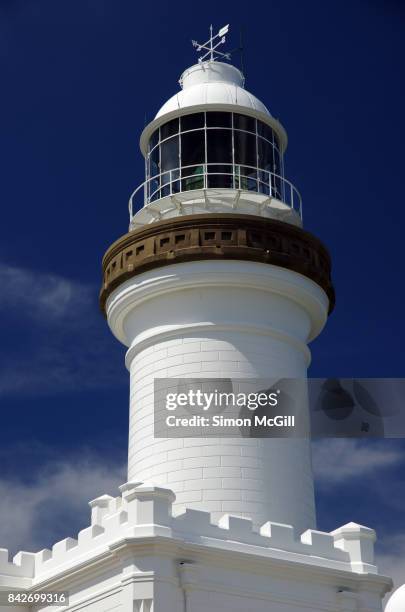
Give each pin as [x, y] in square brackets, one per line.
[239, 528]
[26, 561]
[322, 545]
[281, 536]
[146, 510]
[86, 536]
[22, 565]
[197, 522]
[43, 556]
[113, 523]
[59, 549]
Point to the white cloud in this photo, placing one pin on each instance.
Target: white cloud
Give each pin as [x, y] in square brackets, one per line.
[60, 342]
[41, 295]
[338, 460]
[55, 505]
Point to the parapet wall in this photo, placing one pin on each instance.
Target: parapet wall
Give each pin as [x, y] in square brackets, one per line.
[145, 511]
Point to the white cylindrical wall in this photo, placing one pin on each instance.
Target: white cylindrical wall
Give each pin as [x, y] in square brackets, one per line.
[219, 320]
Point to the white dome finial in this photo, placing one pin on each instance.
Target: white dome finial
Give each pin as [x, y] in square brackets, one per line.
[211, 72]
[210, 48]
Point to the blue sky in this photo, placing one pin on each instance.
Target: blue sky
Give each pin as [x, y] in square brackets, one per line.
[79, 80]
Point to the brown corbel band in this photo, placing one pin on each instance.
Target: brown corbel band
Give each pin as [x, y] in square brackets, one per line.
[216, 236]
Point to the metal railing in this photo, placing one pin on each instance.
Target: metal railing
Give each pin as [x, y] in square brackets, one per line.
[204, 177]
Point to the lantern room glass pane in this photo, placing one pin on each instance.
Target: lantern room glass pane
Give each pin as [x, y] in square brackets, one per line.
[169, 129]
[219, 146]
[169, 154]
[192, 122]
[220, 176]
[192, 148]
[154, 161]
[242, 122]
[264, 181]
[276, 187]
[246, 178]
[265, 131]
[153, 168]
[193, 178]
[277, 162]
[245, 149]
[215, 119]
[154, 139]
[265, 155]
[154, 190]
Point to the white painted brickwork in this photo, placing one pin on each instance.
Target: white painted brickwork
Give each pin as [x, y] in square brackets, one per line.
[220, 319]
[241, 476]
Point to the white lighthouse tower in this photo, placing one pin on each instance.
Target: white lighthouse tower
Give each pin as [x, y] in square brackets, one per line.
[216, 278]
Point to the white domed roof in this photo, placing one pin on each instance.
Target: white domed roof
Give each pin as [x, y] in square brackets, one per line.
[396, 602]
[212, 83]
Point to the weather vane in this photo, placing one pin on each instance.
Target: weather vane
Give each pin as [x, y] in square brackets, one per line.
[210, 47]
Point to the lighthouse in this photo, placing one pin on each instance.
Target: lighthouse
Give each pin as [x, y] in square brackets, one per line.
[216, 280]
